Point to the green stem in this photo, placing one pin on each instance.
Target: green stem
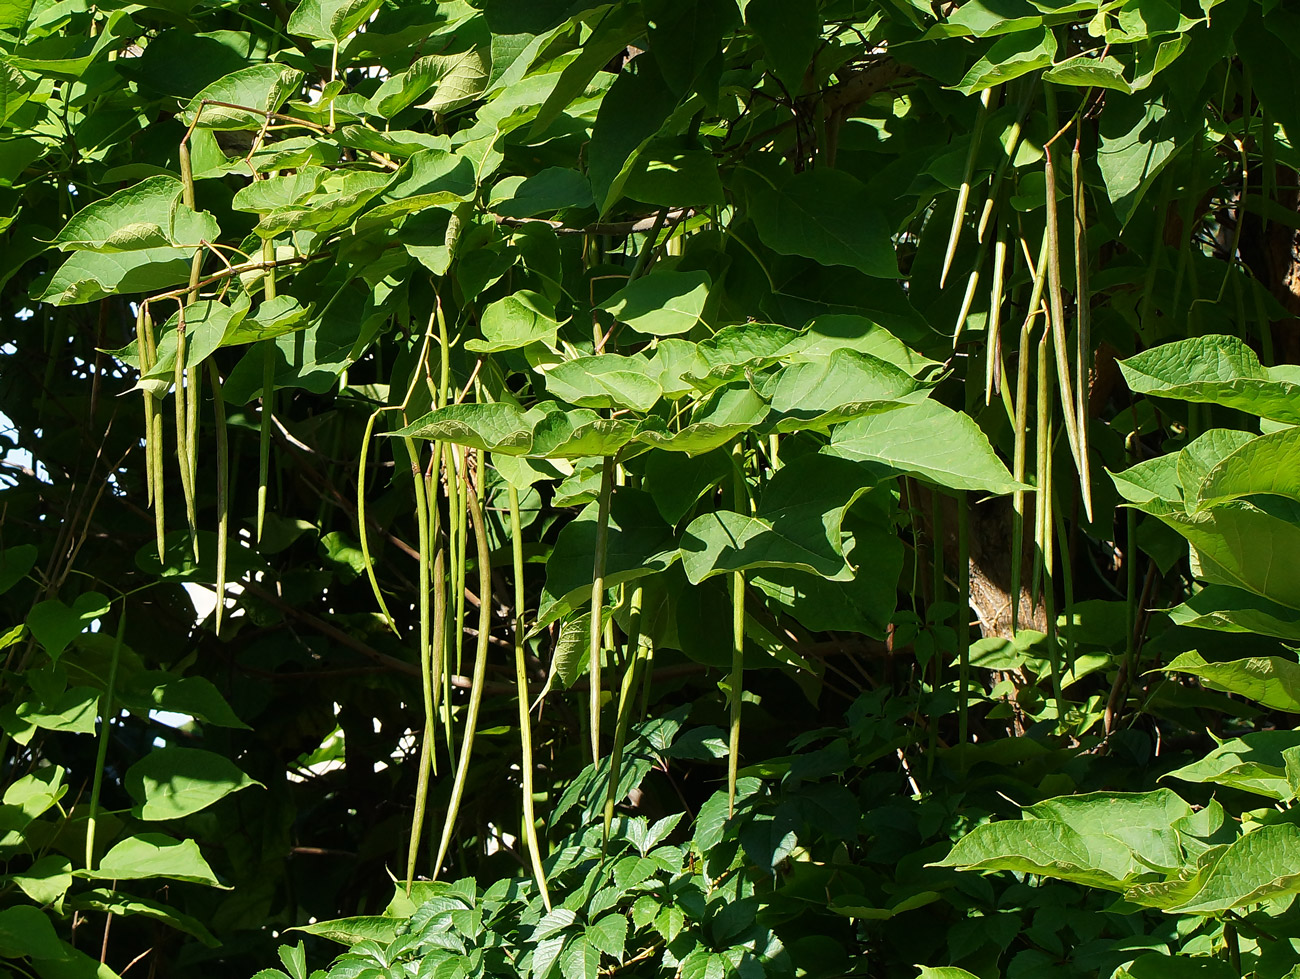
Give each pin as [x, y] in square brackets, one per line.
[963, 614]
[105, 722]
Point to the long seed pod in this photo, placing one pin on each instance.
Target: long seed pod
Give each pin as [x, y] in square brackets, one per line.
[963, 193]
[627, 692]
[993, 347]
[598, 599]
[1022, 427]
[1043, 460]
[223, 491]
[736, 680]
[268, 397]
[521, 681]
[479, 677]
[1057, 308]
[1083, 315]
[142, 353]
[422, 590]
[181, 397]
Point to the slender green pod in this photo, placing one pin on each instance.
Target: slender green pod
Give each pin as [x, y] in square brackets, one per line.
[223, 491]
[525, 719]
[963, 192]
[598, 599]
[627, 692]
[1083, 319]
[479, 676]
[268, 395]
[422, 591]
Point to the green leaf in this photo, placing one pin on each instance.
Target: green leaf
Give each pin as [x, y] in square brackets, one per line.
[830, 217]
[609, 935]
[727, 413]
[661, 304]
[171, 783]
[1268, 680]
[431, 178]
[580, 432]
[633, 110]
[797, 524]
[820, 393]
[1269, 464]
[789, 31]
[1246, 546]
[604, 381]
[104, 900]
[1252, 763]
[456, 79]
[549, 190]
[15, 562]
[149, 855]
[14, 13]
[73, 711]
[619, 26]
[671, 175]
[1256, 867]
[945, 972]
[192, 695]
[515, 321]
[1137, 140]
[639, 543]
[26, 932]
[493, 427]
[88, 276]
[351, 931]
[1087, 72]
[686, 39]
[46, 880]
[145, 215]
[265, 87]
[1099, 838]
[1227, 609]
[928, 440]
[55, 625]
[329, 20]
[1010, 57]
[989, 18]
[580, 960]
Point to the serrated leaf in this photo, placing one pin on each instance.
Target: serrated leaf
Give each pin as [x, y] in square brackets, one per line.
[609, 935]
[579, 959]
